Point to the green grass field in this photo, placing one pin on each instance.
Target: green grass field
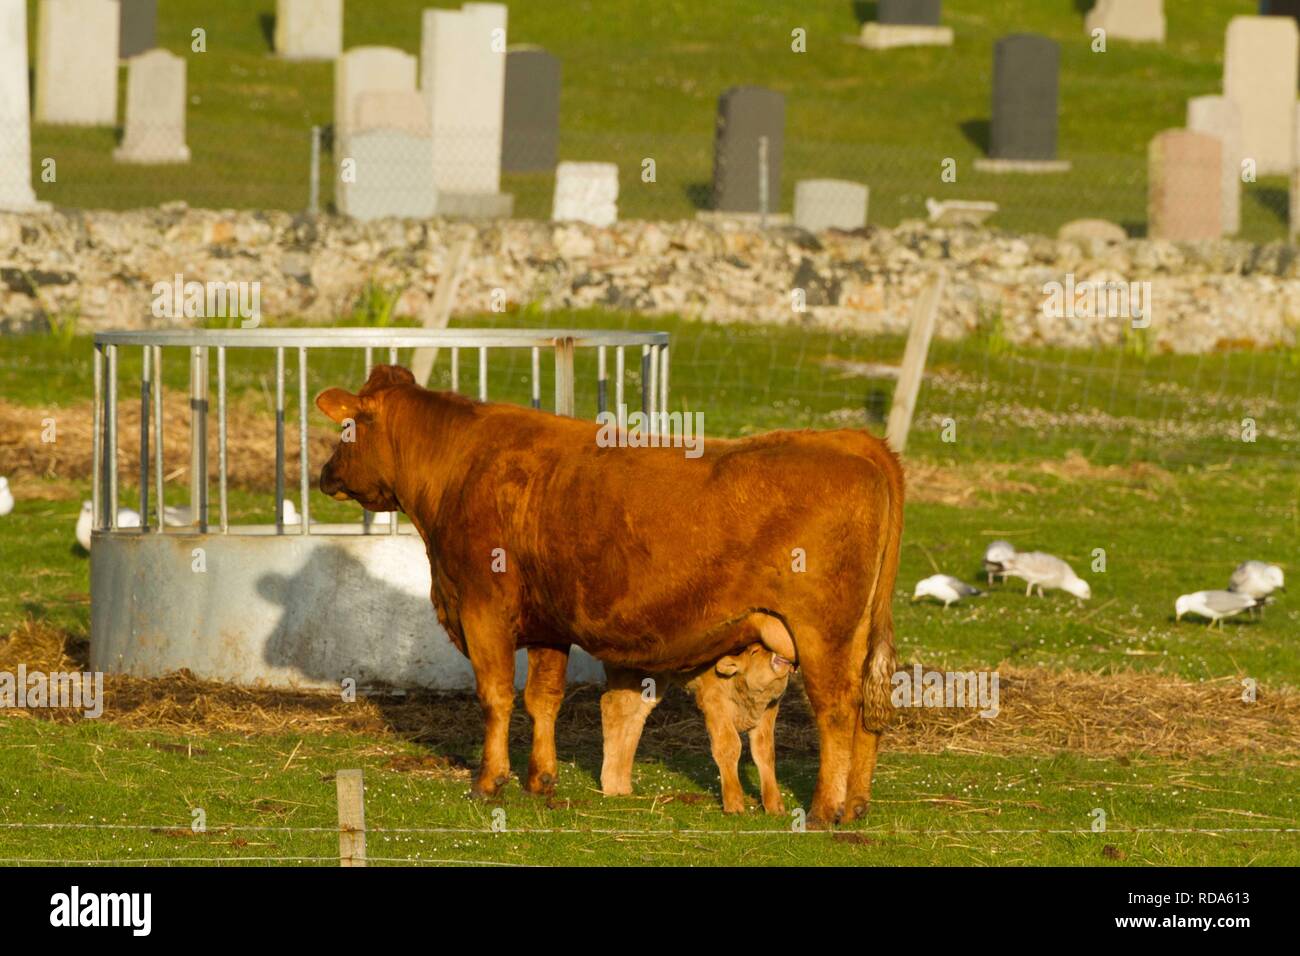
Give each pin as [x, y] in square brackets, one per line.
[1140, 456]
[641, 80]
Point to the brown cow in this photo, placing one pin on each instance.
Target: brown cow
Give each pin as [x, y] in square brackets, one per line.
[737, 694]
[644, 558]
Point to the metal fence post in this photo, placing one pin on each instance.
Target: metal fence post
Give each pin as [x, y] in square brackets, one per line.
[146, 382]
[564, 399]
[313, 200]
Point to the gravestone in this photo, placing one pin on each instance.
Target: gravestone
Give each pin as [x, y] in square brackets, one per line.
[309, 29]
[1141, 21]
[1184, 179]
[1025, 71]
[16, 193]
[1260, 74]
[926, 13]
[747, 114]
[392, 176]
[901, 23]
[531, 134]
[1218, 116]
[76, 62]
[391, 109]
[367, 69]
[137, 27]
[821, 204]
[155, 110]
[586, 192]
[1280, 8]
[463, 77]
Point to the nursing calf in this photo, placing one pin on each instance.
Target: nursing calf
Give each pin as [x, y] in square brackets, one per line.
[737, 694]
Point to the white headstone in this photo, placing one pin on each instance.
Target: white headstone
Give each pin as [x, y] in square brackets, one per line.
[309, 29]
[1261, 60]
[829, 204]
[586, 192]
[16, 193]
[1219, 117]
[393, 176]
[76, 62]
[463, 77]
[155, 110]
[367, 69]
[390, 109]
[1142, 21]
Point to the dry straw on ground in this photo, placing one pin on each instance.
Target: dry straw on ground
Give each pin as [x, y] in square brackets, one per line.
[250, 431]
[1126, 714]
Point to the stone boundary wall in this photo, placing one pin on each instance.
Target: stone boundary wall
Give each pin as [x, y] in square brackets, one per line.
[101, 269]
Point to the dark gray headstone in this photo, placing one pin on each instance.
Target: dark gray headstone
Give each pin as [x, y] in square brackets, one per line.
[531, 135]
[1279, 8]
[745, 115]
[139, 27]
[925, 13]
[1025, 76]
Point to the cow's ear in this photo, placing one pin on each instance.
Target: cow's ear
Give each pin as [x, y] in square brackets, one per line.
[338, 404]
[727, 666]
[384, 376]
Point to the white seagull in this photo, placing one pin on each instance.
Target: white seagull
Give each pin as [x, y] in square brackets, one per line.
[1041, 570]
[1215, 605]
[126, 518]
[1257, 579]
[945, 588]
[6, 497]
[178, 516]
[996, 556]
[291, 515]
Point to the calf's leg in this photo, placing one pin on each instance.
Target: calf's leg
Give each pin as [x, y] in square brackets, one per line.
[762, 746]
[623, 712]
[543, 694]
[725, 741]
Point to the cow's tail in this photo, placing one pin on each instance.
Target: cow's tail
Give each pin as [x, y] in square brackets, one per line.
[878, 672]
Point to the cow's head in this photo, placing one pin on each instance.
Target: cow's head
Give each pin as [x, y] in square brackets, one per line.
[363, 466]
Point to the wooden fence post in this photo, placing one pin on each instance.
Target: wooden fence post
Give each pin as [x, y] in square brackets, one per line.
[444, 298]
[352, 817]
[909, 375]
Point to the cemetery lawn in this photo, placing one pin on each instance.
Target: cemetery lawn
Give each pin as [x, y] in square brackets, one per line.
[1069, 451]
[641, 81]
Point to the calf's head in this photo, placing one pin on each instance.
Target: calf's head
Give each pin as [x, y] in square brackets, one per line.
[363, 466]
[757, 676]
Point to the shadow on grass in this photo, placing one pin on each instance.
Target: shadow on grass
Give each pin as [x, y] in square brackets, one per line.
[1274, 200]
[864, 11]
[977, 133]
[266, 22]
[700, 195]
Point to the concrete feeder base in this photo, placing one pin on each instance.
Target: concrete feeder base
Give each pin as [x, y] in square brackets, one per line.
[287, 611]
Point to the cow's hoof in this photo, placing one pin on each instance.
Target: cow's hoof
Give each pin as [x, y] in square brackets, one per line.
[857, 810]
[542, 784]
[775, 809]
[821, 819]
[487, 790]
